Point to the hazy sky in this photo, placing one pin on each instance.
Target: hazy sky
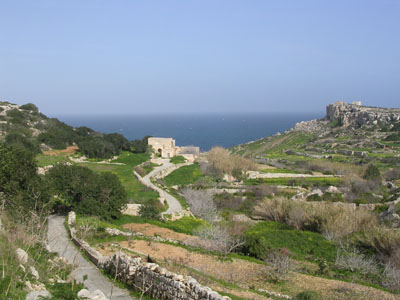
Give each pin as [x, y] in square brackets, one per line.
[114, 56]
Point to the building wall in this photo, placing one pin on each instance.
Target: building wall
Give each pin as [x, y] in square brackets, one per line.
[164, 146]
[167, 148]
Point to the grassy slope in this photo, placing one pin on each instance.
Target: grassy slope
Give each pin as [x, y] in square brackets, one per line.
[303, 244]
[184, 175]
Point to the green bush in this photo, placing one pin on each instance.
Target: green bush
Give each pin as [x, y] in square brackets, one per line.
[307, 295]
[178, 160]
[372, 173]
[29, 107]
[149, 212]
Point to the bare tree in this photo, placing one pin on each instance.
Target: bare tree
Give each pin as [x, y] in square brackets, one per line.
[217, 238]
[145, 284]
[201, 203]
[281, 264]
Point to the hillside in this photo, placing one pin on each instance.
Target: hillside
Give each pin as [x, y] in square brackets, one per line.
[26, 127]
[349, 133]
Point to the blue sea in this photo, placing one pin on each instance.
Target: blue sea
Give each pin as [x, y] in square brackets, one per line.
[200, 130]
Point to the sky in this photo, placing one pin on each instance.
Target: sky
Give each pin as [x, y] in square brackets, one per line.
[209, 56]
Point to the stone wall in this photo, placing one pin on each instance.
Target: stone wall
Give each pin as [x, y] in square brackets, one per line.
[155, 280]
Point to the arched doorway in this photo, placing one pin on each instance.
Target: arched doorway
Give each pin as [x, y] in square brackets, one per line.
[160, 152]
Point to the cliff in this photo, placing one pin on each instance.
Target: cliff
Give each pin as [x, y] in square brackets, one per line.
[357, 115]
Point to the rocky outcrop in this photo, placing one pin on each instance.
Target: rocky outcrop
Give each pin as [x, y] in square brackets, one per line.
[357, 115]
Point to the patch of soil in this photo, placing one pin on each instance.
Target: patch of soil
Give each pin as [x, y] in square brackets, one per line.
[246, 273]
[70, 150]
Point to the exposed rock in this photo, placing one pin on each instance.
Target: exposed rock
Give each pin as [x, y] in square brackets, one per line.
[36, 295]
[241, 218]
[22, 256]
[71, 218]
[34, 272]
[333, 189]
[357, 115]
[132, 209]
[316, 192]
[95, 295]
[34, 287]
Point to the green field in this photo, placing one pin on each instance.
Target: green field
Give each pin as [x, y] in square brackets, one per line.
[302, 244]
[45, 160]
[184, 175]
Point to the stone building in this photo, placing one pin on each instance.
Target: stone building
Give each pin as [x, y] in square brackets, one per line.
[167, 148]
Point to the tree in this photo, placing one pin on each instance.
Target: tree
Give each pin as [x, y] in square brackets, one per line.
[80, 189]
[29, 107]
[139, 146]
[19, 141]
[19, 182]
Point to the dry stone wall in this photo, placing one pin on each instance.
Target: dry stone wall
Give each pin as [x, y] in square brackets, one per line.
[151, 278]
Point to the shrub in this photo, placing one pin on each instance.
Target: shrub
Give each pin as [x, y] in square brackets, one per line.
[393, 174]
[225, 162]
[335, 222]
[255, 246]
[372, 173]
[281, 264]
[384, 241]
[354, 261]
[149, 212]
[307, 295]
[29, 107]
[391, 278]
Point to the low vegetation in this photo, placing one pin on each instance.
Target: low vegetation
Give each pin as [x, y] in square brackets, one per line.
[184, 175]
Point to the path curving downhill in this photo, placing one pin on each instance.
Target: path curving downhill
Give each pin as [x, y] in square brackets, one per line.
[173, 204]
[60, 242]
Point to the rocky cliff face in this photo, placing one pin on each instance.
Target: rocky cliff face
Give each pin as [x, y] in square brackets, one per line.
[357, 115]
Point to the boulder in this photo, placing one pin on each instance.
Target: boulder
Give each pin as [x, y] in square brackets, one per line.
[333, 189]
[95, 295]
[22, 256]
[71, 218]
[316, 192]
